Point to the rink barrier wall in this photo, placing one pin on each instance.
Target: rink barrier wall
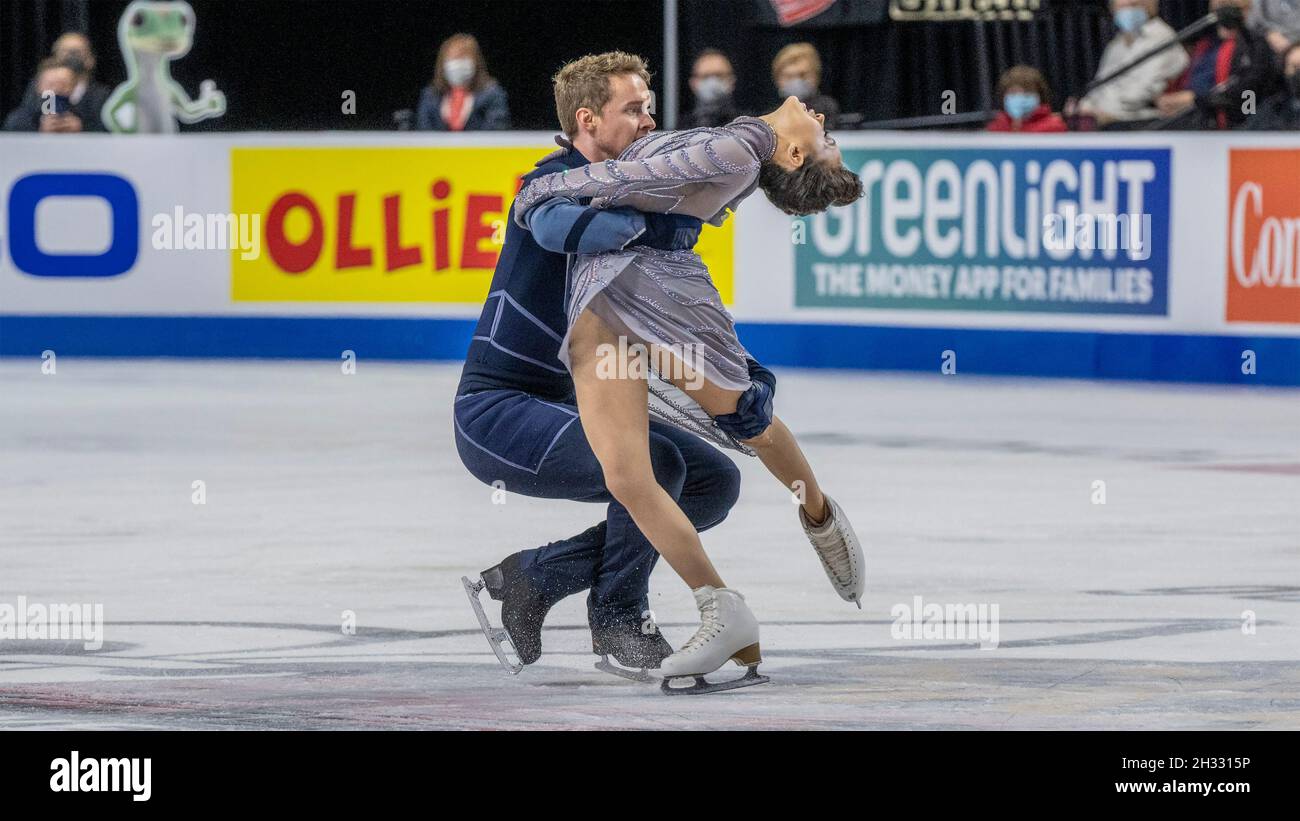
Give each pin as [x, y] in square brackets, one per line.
[384, 244]
[992, 352]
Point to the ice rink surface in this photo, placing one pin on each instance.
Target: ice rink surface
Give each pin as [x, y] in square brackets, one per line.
[1173, 605]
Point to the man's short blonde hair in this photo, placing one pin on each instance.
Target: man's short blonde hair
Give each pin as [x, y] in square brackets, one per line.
[793, 53]
[584, 83]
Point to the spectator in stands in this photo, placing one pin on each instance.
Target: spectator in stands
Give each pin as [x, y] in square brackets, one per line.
[52, 94]
[462, 95]
[1281, 112]
[797, 72]
[1026, 103]
[1277, 21]
[1130, 100]
[88, 96]
[713, 82]
[1226, 64]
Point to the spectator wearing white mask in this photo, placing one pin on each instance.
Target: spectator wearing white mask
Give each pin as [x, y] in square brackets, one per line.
[1131, 98]
[713, 82]
[797, 72]
[462, 95]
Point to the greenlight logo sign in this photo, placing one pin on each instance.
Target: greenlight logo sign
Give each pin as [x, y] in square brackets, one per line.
[1062, 231]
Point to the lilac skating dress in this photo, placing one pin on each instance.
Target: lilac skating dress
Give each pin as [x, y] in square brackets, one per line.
[666, 298]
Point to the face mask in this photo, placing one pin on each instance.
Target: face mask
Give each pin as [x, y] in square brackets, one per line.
[1019, 106]
[711, 89]
[459, 71]
[798, 88]
[1130, 19]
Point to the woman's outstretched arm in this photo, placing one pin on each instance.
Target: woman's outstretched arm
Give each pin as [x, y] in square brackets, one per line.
[664, 177]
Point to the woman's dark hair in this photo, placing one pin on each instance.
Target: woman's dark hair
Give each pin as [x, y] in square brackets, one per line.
[811, 188]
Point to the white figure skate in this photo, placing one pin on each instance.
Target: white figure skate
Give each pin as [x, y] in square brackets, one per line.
[728, 632]
[838, 548]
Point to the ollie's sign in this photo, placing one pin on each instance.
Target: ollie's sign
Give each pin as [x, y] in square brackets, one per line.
[1263, 236]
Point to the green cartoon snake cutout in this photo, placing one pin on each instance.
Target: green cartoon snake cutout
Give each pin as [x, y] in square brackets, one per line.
[152, 34]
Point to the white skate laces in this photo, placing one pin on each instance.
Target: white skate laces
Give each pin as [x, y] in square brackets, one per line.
[728, 632]
[710, 623]
[837, 546]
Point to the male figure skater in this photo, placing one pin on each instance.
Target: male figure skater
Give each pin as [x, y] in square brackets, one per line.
[515, 415]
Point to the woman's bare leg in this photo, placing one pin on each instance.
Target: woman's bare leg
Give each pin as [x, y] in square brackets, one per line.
[776, 447]
[615, 417]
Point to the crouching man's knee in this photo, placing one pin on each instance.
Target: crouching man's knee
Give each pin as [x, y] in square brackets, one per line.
[750, 421]
[728, 486]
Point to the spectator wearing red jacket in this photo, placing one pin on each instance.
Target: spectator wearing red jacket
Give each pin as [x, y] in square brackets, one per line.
[1026, 103]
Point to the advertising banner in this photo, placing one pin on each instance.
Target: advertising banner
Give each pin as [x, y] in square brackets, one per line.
[1041, 230]
[386, 224]
[1264, 236]
[1142, 256]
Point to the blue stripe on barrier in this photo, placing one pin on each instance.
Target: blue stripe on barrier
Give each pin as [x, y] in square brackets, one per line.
[276, 337]
[1070, 354]
[1073, 354]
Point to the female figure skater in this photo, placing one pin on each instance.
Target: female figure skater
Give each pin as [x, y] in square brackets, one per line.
[702, 378]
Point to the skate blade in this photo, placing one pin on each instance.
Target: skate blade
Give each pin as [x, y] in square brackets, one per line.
[703, 687]
[498, 638]
[642, 675]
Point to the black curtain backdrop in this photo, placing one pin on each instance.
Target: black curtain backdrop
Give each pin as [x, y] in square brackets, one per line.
[27, 29]
[284, 64]
[887, 70]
